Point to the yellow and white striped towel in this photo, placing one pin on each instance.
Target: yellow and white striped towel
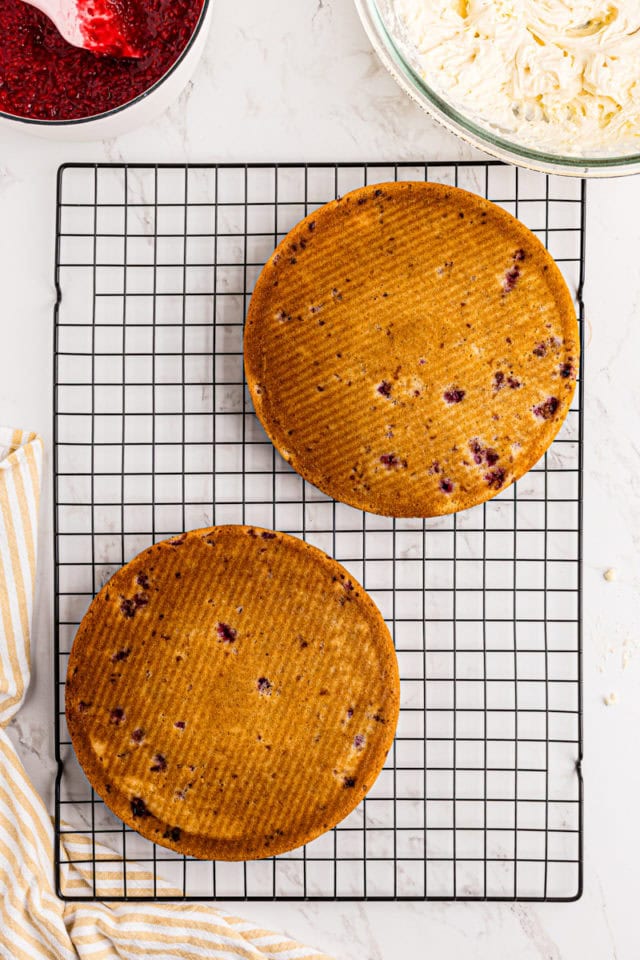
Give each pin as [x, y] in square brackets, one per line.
[34, 923]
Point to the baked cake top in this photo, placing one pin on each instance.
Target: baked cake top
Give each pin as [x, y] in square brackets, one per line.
[232, 693]
[411, 349]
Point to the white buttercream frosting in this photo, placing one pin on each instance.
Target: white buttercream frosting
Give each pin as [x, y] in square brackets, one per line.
[562, 75]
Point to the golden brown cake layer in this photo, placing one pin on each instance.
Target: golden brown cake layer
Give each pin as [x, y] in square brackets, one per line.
[411, 349]
[232, 693]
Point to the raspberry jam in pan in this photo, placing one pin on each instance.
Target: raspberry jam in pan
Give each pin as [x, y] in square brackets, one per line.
[42, 77]
[109, 27]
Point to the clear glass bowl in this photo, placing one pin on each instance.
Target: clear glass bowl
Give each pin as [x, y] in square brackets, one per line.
[379, 21]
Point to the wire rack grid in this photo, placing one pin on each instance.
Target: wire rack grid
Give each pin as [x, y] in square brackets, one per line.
[481, 796]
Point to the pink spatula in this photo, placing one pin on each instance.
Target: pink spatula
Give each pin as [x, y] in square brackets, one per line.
[95, 25]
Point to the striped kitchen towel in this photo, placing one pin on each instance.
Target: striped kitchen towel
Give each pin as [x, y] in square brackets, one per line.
[34, 923]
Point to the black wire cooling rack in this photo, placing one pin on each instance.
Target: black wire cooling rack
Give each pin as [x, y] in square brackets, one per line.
[481, 797]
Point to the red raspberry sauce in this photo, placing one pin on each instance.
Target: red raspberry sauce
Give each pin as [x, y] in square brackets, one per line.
[106, 29]
[44, 78]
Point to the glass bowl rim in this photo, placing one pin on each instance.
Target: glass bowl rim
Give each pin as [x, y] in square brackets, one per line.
[412, 83]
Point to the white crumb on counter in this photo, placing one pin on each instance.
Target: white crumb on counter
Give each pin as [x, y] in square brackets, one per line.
[610, 699]
[629, 650]
[610, 574]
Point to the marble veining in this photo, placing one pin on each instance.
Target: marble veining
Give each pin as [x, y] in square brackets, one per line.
[304, 84]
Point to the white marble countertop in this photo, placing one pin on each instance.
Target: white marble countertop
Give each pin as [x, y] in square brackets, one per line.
[297, 80]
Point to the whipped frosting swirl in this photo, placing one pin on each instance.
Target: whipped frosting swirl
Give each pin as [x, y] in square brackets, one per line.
[562, 75]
